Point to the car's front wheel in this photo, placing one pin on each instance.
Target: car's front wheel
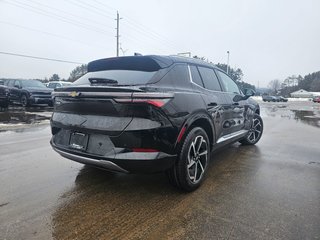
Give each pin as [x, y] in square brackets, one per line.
[24, 100]
[255, 131]
[189, 170]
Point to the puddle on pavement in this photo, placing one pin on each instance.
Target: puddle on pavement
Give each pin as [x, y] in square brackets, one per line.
[304, 116]
[23, 116]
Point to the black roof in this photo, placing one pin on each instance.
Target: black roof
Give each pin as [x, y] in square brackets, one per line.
[144, 63]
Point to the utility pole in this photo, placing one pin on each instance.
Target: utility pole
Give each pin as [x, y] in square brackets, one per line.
[118, 36]
[228, 62]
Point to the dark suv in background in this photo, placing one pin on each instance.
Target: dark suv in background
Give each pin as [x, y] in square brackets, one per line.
[4, 95]
[28, 92]
[153, 113]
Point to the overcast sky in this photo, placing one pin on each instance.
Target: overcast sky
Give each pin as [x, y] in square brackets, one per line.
[267, 39]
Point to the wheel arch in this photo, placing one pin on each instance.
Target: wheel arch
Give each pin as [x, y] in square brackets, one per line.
[199, 120]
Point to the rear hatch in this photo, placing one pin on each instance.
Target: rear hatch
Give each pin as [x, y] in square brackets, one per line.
[101, 100]
[93, 108]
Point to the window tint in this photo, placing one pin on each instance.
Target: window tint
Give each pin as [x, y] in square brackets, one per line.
[178, 76]
[121, 77]
[210, 79]
[196, 76]
[228, 83]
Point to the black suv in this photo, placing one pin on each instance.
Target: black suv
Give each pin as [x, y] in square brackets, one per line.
[28, 92]
[150, 114]
[4, 95]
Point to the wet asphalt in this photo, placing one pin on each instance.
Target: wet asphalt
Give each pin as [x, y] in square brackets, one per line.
[267, 191]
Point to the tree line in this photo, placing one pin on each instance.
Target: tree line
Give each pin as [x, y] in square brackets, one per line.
[74, 75]
[310, 83]
[235, 73]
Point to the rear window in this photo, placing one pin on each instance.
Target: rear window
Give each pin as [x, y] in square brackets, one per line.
[117, 77]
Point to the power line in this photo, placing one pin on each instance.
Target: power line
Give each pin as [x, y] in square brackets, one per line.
[94, 9]
[40, 58]
[70, 14]
[51, 34]
[142, 28]
[55, 16]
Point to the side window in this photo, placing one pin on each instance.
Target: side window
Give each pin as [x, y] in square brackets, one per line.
[196, 76]
[52, 85]
[17, 84]
[228, 83]
[210, 79]
[10, 83]
[177, 76]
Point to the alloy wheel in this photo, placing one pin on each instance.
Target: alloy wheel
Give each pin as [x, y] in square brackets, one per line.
[197, 159]
[255, 131]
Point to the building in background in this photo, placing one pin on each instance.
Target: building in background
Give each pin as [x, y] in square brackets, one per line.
[304, 94]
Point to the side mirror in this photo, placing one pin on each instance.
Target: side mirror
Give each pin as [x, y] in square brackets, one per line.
[247, 93]
[16, 86]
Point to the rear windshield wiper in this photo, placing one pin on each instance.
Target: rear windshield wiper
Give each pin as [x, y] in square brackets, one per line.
[102, 81]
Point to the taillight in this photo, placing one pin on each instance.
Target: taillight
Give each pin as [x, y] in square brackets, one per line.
[154, 99]
[144, 150]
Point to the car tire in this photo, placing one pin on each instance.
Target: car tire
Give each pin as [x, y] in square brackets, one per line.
[193, 157]
[24, 101]
[255, 131]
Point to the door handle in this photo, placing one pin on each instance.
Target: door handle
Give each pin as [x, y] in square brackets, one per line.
[212, 104]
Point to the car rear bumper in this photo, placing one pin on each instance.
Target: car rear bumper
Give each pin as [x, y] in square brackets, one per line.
[124, 162]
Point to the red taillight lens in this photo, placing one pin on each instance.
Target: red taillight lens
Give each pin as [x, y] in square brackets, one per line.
[156, 99]
[144, 150]
[154, 102]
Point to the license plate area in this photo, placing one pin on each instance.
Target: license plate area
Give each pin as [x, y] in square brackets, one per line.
[79, 141]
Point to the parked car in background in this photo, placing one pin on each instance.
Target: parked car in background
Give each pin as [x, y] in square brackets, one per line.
[4, 95]
[152, 114]
[28, 92]
[316, 99]
[58, 84]
[267, 98]
[281, 99]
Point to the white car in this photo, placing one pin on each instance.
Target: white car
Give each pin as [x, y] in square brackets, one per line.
[58, 84]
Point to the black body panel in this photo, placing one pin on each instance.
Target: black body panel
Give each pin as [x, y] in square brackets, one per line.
[140, 128]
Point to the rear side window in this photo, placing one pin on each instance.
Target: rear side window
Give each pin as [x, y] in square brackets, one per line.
[178, 76]
[196, 76]
[117, 77]
[209, 78]
[228, 83]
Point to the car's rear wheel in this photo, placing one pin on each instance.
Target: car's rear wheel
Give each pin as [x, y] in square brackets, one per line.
[255, 131]
[189, 170]
[24, 100]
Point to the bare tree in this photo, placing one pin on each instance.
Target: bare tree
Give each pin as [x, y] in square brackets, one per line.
[274, 85]
[78, 72]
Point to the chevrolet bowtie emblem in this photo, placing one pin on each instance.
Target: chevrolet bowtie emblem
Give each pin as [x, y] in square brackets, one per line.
[74, 94]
